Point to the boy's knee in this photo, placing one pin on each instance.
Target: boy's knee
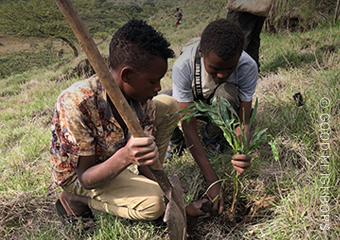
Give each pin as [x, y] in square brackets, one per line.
[173, 104]
[155, 209]
[165, 105]
[229, 91]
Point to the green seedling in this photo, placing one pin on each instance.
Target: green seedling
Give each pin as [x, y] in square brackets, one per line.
[225, 117]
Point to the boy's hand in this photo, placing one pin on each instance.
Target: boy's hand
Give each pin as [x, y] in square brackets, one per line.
[241, 162]
[142, 151]
[214, 196]
[194, 209]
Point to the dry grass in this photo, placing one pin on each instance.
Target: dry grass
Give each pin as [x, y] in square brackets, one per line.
[26, 212]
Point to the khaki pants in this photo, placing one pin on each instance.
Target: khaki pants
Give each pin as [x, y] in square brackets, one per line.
[129, 195]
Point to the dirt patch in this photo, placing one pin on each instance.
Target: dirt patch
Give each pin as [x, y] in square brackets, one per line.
[220, 226]
[255, 204]
[9, 44]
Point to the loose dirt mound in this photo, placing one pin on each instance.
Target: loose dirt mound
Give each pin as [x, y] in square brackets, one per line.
[248, 210]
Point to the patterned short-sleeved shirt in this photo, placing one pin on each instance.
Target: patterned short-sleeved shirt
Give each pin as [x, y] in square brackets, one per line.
[83, 125]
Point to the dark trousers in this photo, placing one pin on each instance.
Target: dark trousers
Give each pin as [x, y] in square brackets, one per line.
[177, 22]
[228, 91]
[251, 26]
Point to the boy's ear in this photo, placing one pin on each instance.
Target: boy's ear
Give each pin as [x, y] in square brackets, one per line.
[199, 51]
[125, 74]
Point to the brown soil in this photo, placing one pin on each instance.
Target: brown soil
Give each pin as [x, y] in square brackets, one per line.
[219, 226]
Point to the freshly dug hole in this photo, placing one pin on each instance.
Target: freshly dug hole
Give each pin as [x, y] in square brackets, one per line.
[215, 226]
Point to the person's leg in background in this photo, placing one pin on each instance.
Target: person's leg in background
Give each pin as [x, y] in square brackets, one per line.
[252, 27]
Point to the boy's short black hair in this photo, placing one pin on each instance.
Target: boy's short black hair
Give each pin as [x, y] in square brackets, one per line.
[135, 43]
[223, 37]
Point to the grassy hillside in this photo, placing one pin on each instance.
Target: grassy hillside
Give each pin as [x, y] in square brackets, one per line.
[295, 197]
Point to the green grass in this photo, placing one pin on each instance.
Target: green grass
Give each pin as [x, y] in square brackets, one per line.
[292, 189]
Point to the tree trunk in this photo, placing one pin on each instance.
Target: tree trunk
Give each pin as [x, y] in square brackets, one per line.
[75, 50]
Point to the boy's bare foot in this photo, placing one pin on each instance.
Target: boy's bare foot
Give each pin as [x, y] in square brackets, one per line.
[73, 204]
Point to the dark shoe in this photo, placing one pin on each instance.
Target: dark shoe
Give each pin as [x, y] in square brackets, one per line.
[213, 147]
[85, 222]
[176, 144]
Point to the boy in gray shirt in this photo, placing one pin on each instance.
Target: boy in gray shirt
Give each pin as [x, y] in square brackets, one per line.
[221, 68]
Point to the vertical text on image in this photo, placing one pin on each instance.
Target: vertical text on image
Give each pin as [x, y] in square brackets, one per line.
[325, 131]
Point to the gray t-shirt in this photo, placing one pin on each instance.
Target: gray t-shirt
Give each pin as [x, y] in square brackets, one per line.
[245, 77]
